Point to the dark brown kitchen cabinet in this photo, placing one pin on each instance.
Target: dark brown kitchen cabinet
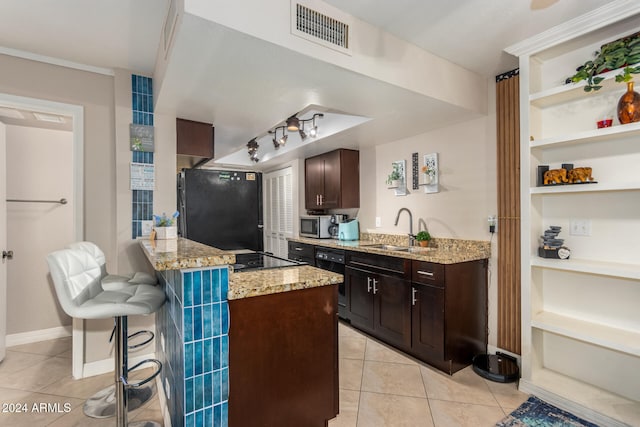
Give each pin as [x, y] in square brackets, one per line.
[435, 312]
[301, 252]
[427, 318]
[379, 297]
[449, 313]
[194, 143]
[283, 359]
[332, 180]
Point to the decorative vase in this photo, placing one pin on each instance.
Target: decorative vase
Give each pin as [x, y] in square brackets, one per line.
[395, 183]
[424, 243]
[427, 179]
[164, 233]
[629, 106]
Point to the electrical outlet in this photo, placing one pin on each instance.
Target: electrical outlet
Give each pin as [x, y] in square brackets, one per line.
[378, 221]
[493, 222]
[580, 227]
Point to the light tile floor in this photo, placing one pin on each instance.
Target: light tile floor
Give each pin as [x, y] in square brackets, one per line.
[37, 390]
[379, 386]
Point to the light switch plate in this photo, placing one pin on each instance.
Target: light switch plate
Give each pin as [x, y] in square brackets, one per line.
[580, 227]
[147, 226]
[378, 221]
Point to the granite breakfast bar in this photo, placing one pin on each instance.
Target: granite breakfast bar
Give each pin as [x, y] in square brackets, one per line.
[268, 335]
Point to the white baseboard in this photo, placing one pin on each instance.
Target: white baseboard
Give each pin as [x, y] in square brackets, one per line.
[568, 405]
[37, 336]
[103, 366]
[162, 398]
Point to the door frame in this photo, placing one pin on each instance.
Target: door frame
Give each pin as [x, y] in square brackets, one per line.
[77, 113]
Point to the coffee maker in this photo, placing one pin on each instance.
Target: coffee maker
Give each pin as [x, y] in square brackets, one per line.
[335, 220]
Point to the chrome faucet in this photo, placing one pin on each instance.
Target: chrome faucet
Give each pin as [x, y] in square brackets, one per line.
[411, 235]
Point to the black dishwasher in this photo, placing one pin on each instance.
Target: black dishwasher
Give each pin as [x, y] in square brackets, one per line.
[333, 260]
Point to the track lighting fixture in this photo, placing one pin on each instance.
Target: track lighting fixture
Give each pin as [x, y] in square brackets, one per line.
[252, 147]
[292, 124]
[277, 142]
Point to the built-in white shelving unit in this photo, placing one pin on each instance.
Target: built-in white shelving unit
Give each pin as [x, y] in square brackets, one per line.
[581, 316]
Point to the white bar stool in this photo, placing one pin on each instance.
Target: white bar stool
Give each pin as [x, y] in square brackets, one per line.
[76, 276]
[112, 282]
[103, 403]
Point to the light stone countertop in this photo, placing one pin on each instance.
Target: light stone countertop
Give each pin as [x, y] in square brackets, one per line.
[190, 254]
[186, 254]
[440, 250]
[271, 281]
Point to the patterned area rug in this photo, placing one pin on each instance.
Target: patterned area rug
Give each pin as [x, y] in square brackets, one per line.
[536, 413]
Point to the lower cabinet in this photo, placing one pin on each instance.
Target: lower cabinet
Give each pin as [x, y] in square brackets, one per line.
[283, 359]
[435, 312]
[427, 322]
[381, 304]
[301, 252]
[449, 313]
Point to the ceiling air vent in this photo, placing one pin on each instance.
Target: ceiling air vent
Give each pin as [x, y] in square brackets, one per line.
[319, 27]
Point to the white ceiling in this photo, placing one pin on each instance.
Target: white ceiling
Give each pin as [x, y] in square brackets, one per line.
[250, 91]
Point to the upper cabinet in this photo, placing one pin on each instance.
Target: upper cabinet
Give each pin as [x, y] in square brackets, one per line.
[332, 180]
[194, 142]
[580, 323]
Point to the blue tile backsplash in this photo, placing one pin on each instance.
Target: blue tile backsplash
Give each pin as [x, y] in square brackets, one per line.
[142, 110]
[195, 327]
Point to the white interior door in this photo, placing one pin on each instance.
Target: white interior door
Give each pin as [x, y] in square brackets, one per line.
[278, 210]
[3, 239]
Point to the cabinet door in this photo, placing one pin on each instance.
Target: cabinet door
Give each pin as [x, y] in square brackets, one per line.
[313, 181]
[332, 180]
[427, 340]
[359, 297]
[392, 312]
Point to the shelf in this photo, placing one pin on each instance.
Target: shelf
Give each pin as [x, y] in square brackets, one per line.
[582, 399]
[604, 336]
[624, 271]
[574, 91]
[594, 135]
[585, 188]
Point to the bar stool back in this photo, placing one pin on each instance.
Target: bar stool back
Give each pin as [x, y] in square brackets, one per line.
[76, 276]
[112, 281]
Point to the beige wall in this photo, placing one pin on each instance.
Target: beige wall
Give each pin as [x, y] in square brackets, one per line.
[39, 166]
[468, 188]
[106, 101]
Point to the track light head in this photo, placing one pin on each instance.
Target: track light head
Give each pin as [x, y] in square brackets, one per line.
[293, 124]
[303, 134]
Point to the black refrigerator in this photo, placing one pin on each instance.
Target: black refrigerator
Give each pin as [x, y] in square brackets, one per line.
[221, 208]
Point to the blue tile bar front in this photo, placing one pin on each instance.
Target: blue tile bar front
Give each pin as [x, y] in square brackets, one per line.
[194, 345]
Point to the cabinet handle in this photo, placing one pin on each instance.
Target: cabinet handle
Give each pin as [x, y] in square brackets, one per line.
[425, 273]
[368, 284]
[413, 296]
[317, 200]
[321, 200]
[375, 289]
[297, 249]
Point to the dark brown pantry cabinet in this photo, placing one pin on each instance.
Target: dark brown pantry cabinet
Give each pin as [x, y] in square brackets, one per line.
[332, 180]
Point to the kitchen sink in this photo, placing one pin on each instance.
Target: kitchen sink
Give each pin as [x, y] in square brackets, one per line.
[388, 247]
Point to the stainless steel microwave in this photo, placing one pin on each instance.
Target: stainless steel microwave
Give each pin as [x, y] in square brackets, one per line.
[315, 226]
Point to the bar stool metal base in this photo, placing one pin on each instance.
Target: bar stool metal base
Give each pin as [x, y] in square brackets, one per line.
[144, 424]
[103, 403]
